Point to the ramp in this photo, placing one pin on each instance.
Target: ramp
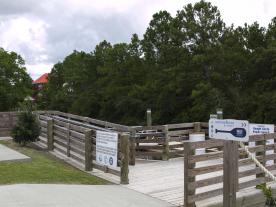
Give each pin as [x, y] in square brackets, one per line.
[7, 154]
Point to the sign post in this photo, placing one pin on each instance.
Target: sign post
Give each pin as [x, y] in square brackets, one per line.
[149, 120]
[230, 163]
[231, 131]
[230, 173]
[255, 129]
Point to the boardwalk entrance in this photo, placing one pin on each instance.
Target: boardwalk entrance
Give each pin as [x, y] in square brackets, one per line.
[156, 164]
[160, 179]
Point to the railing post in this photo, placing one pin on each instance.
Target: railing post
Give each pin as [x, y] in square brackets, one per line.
[262, 154]
[124, 148]
[68, 139]
[149, 120]
[230, 169]
[88, 150]
[188, 192]
[132, 148]
[50, 134]
[230, 173]
[197, 127]
[166, 152]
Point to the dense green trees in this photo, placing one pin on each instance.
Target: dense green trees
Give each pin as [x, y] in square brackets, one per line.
[183, 68]
[15, 83]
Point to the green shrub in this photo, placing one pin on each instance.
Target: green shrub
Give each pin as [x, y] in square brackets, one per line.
[27, 128]
[270, 201]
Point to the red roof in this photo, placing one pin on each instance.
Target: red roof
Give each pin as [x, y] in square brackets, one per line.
[42, 79]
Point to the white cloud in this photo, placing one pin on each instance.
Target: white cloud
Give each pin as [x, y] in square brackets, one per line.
[26, 37]
[37, 70]
[44, 32]
[246, 11]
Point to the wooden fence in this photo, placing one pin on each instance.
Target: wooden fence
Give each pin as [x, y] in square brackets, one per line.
[203, 174]
[155, 142]
[77, 140]
[164, 141]
[88, 121]
[7, 122]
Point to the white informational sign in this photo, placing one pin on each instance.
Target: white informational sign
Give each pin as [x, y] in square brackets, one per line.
[255, 129]
[261, 129]
[106, 148]
[229, 129]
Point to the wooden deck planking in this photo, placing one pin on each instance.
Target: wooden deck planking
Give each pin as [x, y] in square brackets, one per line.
[164, 180]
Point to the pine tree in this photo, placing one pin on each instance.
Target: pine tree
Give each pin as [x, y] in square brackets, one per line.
[27, 128]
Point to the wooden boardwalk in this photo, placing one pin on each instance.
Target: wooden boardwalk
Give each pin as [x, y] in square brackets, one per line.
[160, 179]
[164, 180]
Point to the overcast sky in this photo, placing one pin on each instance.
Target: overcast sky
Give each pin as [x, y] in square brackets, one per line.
[44, 32]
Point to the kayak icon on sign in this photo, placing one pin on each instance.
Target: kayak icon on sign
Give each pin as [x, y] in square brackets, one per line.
[111, 161]
[236, 132]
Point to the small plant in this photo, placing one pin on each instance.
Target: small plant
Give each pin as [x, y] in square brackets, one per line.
[27, 128]
[270, 201]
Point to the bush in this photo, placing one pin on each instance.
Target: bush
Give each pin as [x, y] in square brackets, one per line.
[270, 200]
[27, 128]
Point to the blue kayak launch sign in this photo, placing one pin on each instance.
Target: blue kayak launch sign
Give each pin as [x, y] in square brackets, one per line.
[229, 129]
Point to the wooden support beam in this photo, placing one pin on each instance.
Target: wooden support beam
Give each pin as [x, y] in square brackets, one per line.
[230, 169]
[124, 148]
[50, 134]
[88, 150]
[197, 127]
[68, 139]
[187, 177]
[132, 148]
[262, 154]
[230, 173]
[149, 119]
[166, 151]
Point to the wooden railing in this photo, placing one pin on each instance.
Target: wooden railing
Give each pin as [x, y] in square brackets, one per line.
[154, 142]
[77, 140]
[89, 121]
[203, 174]
[164, 141]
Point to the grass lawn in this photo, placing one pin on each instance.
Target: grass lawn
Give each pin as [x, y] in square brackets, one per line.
[43, 168]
